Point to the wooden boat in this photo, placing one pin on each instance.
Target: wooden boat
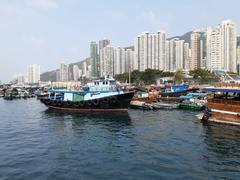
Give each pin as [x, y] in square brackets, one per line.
[224, 104]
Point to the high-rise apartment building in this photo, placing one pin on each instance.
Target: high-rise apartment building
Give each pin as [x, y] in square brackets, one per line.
[195, 61]
[84, 71]
[107, 61]
[102, 44]
[150, 51]
[214, 49]
[76, 73]
[119, 61]
[179, 54]
[229, 45]
[33, 74]
[94, 59]
[221, 47]
[174, 55]
[172, 58]
[186, 56]
[64, 72]
[136, 60]
[18, 79]
[167, 58]
[129, 58]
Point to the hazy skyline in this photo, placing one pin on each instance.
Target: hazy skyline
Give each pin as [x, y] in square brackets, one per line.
[48, 32]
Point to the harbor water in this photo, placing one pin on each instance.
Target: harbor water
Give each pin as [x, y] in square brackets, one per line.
[36, 143]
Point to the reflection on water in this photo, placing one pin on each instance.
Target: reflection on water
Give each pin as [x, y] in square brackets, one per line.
[36, 143]
[109, 116]
[110, 121]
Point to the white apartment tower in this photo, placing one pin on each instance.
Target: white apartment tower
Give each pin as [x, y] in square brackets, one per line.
[129, 58]
[33, 74]
[179, 54]
[107, 61]
[186, 56]
[64, 72]
[150, 51]
[76, 73]
[229, 45]
[172, 59]
[214, 49]
[174, 55]
[84, 71]
[136, 61]
[119, 60]
[102, 44]
[167, 58]
[221, 47]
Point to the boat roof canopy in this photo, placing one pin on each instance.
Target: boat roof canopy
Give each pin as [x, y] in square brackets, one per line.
[63, 91]
[225, 90]
[76, 92]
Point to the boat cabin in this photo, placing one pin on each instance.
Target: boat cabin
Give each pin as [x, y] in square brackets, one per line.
[91, 90]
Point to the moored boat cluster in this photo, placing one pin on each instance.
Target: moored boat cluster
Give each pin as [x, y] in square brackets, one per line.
[219, 103]
[174, 97]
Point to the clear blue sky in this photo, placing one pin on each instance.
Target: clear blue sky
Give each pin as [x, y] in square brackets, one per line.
[48, 32]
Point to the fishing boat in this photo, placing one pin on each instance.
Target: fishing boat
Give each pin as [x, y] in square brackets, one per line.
[177, 90]
[224, 104]
[144, 95]
[135, 104]
[190, 105]
[193, 101]
[11, 94]
[96, 96]
[41, 93]
[165, 105]
[2, 93]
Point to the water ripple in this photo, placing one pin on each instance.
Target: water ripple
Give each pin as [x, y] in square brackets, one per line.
[36, 143]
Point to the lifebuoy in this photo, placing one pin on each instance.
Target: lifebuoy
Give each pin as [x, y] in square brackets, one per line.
[59, 103]
[47, 101]
[89, 102]
[55, 103]
[113, 99]
[95, 102]
[76, 104]
[106, 100]
[81, 103]
[69, 103]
